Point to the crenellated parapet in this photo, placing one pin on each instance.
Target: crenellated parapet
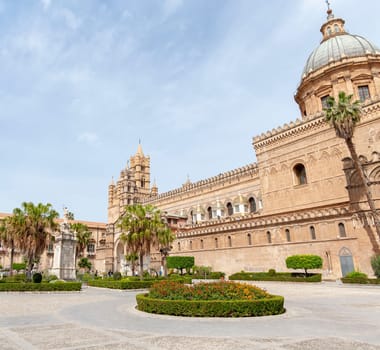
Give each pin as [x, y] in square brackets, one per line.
[300, 127]
[250, 170]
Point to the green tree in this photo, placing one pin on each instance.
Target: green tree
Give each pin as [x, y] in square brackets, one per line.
[180, 262]
[84, 263]
[142, 226]
[34, 224]
[9, 233]
[375, 263]
[166, 237]
[343, 115]
[83, 236]
[305, 262]
[132, 259]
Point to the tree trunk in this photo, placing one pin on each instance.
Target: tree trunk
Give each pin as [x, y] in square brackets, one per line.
[29, 270]
[141, 266]
[12, 258]
[367, 190]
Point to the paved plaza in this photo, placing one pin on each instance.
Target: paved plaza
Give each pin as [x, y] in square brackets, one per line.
[325, 316]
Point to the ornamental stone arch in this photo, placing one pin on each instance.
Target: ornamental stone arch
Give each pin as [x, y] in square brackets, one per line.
[119, 254]
[375, 174]
[346, 261]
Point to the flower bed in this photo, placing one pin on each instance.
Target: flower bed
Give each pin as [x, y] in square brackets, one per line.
[221, 299]
[277, 276]
[40, 287]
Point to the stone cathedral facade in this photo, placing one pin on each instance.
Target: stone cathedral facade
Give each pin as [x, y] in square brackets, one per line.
[300, 197]
[302, 194]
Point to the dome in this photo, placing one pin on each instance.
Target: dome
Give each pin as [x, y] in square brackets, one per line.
[336, 48]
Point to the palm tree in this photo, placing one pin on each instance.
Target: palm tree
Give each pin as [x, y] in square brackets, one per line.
[34, 224]
[343, 115]
[131, 258]
[83, 236]
[165, 238]
[8, 235]
[142, 226]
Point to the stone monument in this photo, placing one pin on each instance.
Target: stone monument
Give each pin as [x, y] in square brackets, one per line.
[64, 251]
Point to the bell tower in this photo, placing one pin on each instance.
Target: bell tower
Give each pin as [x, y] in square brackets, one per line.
[140, 167]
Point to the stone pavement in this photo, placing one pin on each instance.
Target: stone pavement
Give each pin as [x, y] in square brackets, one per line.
[319, 316]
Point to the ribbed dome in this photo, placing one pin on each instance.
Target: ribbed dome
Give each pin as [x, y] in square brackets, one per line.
[336, 48]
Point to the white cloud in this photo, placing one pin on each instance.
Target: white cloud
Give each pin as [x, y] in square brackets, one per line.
[88, 137]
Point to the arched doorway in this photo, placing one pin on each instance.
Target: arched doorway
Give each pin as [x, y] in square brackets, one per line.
[346, 261]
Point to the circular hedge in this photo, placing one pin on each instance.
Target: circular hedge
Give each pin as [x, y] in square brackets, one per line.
[221, 299]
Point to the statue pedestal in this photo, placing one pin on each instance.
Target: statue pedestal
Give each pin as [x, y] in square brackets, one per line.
[64, 254]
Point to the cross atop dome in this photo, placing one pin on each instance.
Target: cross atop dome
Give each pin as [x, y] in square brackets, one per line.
[333, 26]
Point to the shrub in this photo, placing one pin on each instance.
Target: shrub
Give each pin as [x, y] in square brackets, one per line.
[37, 277]
[84, 263]
[121, 284]
[220, 299]
[117, 276]
[19, 266]
[375, 263]
[304, 262]
[356, 274]
[21, 277]
[279, 276]
[173, 290]
[42, 287]
[180, 262]
[271, 272]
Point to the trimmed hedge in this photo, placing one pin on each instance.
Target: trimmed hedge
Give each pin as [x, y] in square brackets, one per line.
[210, 276]
[360, 280]
[120, 284]
[134, 282]
[278, 276]
[213, 308]
[40, 287]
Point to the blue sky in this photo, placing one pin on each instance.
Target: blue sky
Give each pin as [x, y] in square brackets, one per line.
[81, 81]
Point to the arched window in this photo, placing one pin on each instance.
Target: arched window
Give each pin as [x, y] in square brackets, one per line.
[229, 241]
[252, 205]
[312, 233]
[216, 243]
[143, 182]
[179, 246]
[342, 230]
[129, 187]
[230, 209]
[300, 174]
[287, 233]
[191, 245]
[249, 238]
[209, 211]
[269, 237]
[336, 28]
[329, 30]
[192, 217]
[202, 246]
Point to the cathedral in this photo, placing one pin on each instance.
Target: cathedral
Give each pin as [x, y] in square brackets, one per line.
[302, 196]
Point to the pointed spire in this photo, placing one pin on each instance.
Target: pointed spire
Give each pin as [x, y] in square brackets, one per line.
[139, 149]
[112, 182]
